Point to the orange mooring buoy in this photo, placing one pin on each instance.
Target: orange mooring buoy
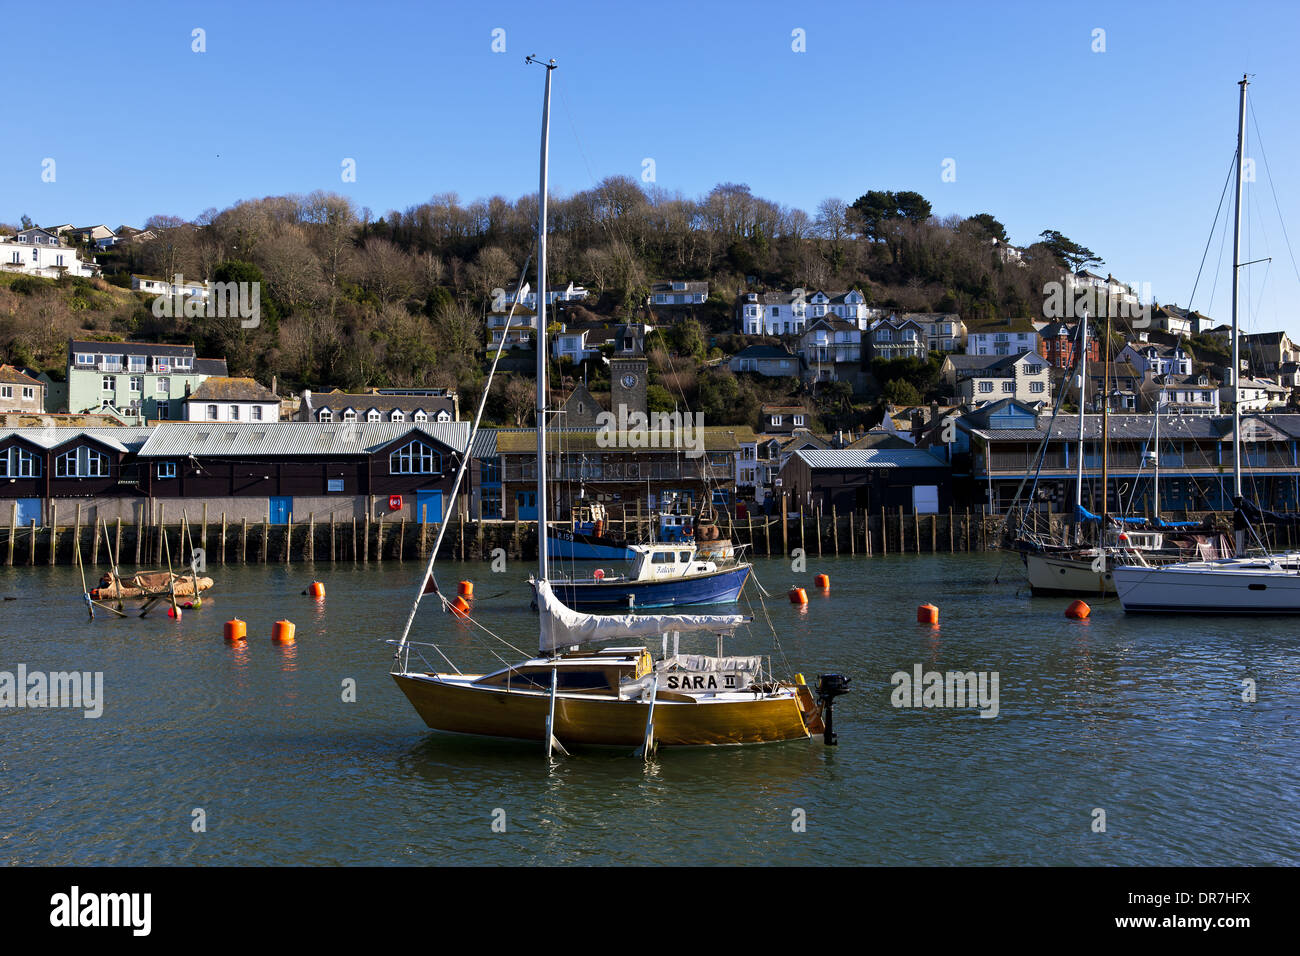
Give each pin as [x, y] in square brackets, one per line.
[1078, 610]
[466, 590]
[236, 630]
[282, 632]
[927, 614]
[798, 596]
[823, 581]
[316, 589]
[460, 607]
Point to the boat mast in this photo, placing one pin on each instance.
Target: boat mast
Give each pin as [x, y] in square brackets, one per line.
[1236, 345]
[540, 338]
[1083, 392]
[1156, 485]
[1105, 424]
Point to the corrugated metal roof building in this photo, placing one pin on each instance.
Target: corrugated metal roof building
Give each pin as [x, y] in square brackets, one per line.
[850, 479]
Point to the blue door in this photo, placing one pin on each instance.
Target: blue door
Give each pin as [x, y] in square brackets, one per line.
[29, 510]
[281, 509]
[428, 506]
[525, 505]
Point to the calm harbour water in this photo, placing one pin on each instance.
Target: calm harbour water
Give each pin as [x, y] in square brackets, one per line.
[1140, 717]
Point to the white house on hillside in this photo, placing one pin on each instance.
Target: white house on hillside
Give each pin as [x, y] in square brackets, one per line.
[35, 255]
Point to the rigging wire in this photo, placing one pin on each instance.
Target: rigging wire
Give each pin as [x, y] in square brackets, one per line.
[1273, 189]
[429, 576]
[1210, 238]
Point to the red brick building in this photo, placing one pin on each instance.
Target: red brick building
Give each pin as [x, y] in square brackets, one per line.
[1057, 341]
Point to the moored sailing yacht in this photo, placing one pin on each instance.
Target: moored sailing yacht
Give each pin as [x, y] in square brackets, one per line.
[1240, 585]
[1079, 569]
[571, 694]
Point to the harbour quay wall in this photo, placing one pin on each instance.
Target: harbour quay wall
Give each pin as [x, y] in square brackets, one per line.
[361, 529]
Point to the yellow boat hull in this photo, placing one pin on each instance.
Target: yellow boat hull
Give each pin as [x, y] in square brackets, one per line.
[602, 720]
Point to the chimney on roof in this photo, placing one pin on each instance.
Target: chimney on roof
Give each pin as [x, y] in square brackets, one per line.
[273, 391]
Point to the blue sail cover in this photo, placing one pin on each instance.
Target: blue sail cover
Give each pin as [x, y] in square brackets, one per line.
[1083, 514]
[1253, 513]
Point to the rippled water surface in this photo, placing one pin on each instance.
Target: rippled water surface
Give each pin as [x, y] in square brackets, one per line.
[1142, 718]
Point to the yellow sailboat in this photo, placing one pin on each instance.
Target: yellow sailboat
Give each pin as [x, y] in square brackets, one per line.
[579, 691]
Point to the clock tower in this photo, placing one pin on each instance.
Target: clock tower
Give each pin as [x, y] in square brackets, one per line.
[628, 370]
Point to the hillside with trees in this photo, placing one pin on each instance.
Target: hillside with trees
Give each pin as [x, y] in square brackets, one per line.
[354, 301]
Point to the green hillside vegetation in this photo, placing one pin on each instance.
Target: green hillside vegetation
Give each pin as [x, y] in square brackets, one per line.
[353, 301]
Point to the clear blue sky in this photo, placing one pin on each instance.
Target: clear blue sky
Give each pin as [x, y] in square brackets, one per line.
[1124, 151]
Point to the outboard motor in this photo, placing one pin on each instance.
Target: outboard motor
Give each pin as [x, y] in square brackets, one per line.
[830, 686]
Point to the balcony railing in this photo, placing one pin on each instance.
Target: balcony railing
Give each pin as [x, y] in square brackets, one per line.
[689, 470]
[1129, 460]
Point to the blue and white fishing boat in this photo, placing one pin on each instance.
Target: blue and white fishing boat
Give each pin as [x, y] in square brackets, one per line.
[661, 575]
[588, 537]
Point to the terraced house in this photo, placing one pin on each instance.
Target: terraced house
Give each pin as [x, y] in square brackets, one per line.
[787, 313]
[987, 378]
[1012, 336]
[381, 405]
[19, 392]
[137, 381]
[221, 399]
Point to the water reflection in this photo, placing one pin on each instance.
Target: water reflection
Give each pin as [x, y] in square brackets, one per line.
[1142, 716]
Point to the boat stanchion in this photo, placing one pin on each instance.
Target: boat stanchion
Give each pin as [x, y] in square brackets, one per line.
[552, 743]
[648, 746]
[830, 686]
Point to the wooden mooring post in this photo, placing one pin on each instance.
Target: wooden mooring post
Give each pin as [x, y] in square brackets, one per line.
[13, 534]
[54, 529]
[785, 543]
[162, 529]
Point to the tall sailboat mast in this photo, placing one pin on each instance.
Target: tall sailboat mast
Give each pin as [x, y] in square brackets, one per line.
[1236, 269]
[1105, 420]
[1083, 393]
[540, 338]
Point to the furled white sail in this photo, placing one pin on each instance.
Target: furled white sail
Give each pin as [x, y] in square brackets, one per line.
[562, 626]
